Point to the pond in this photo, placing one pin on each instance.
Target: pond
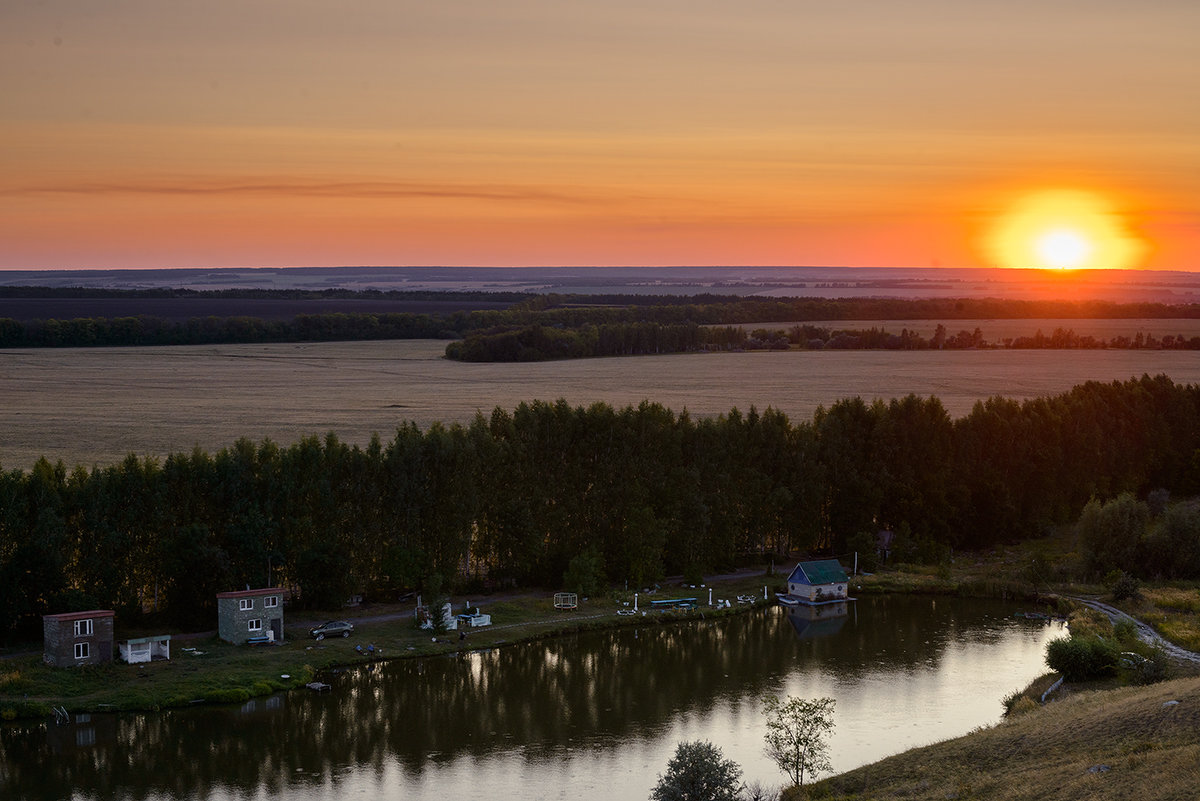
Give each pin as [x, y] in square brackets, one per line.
[588, 716]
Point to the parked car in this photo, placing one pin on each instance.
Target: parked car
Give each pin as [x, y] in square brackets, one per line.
[333, 628]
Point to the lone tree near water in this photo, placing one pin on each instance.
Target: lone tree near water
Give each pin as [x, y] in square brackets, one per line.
[699, 772]
[796, 731]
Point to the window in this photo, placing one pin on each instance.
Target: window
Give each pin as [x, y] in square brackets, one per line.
[83, 628]
[245, 603]
[271, 601]
[255, 625]
[82, 649]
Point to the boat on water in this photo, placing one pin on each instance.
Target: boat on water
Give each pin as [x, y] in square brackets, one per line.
[787, 600]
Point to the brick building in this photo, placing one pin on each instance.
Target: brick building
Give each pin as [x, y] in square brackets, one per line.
[78, 638]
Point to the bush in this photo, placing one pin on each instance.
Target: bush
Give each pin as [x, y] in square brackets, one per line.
[1023, 705]
[1125, 632]
[1126, 587]
[1148, 669]
[1082, 658]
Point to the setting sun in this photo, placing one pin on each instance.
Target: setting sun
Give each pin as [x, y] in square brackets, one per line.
[1064, 230]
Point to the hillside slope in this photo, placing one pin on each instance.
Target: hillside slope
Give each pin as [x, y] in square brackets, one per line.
[1134, 742]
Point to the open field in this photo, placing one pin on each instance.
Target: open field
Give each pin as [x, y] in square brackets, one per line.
[94, 406]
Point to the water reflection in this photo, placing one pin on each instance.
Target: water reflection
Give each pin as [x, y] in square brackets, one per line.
[506, 712]
[817, 621]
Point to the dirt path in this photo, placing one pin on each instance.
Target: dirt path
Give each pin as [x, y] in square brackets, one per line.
[390, 612]
[1145, 632]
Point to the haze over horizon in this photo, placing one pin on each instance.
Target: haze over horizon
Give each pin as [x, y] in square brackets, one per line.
[217, 134]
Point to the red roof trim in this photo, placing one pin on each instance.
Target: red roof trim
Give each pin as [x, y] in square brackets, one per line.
[80, 615]
[251, 593]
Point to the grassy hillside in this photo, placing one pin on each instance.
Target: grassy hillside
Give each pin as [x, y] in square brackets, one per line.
[1126, 743]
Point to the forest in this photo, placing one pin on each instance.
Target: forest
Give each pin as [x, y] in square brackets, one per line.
[548, 326]
[540, 343]
[520, 497]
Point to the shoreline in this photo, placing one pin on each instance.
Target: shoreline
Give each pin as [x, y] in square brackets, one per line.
[216, 672]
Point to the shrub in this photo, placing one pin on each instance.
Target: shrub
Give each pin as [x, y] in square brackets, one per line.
[1126, 587]
[1023, 705]
[1082, 658]
[1153, 668]
[1125, 631]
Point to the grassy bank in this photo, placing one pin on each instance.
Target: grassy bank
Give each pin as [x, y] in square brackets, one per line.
[216, 672]
[207, 670]
[1132, 742]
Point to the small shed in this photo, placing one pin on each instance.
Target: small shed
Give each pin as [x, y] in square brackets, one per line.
[823, 581]
[247, 615]
[78, 638]
[146, 649]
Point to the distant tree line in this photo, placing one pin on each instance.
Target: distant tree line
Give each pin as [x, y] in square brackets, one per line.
[512, 498]
[542, 343]
[569, 326]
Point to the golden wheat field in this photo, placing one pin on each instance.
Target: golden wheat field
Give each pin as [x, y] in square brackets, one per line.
[94, 406]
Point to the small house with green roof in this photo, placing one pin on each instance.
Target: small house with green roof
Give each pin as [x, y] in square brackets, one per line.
[818, 582]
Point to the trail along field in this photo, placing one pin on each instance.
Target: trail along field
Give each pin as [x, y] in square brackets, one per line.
[94, 406]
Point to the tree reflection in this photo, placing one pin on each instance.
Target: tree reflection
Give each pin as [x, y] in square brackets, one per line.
[537, 699]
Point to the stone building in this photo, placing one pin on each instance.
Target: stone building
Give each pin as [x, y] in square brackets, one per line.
[78, 638]
[250, 616]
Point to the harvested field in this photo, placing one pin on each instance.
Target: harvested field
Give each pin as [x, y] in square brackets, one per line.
[94, 406]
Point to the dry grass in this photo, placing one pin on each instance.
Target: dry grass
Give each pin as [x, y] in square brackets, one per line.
[1176, 599]
[1173, 611]
[1115, 744]
[94, 406]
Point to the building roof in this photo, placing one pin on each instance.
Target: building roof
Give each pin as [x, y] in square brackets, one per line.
[251, 593]
[825, 571]
[140, 640]
[80, 615]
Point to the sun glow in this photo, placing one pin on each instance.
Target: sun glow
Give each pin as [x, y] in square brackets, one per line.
[1063, 230]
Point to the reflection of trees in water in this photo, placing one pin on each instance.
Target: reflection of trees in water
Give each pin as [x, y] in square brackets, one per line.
[604, 688]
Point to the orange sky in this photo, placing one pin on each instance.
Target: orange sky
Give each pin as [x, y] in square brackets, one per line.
[219, 133]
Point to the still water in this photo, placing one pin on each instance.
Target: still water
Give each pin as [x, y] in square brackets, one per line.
[591, 716]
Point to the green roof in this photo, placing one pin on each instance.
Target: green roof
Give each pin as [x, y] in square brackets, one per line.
[825, 571]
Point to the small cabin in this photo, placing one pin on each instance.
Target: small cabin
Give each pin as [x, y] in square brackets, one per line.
[819, 582]
[78, 638]
[250, 616]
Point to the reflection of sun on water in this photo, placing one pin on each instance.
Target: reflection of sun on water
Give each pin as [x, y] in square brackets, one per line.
[1063, 230]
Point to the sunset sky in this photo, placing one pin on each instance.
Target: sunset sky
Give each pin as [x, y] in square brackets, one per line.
[468, 132]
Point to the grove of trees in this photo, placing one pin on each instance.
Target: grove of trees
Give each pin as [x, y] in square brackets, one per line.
[513, 498]
[553, 326]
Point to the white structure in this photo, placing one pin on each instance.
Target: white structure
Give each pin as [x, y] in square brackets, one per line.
[474, 619]
[143, 649]
[448, 618]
